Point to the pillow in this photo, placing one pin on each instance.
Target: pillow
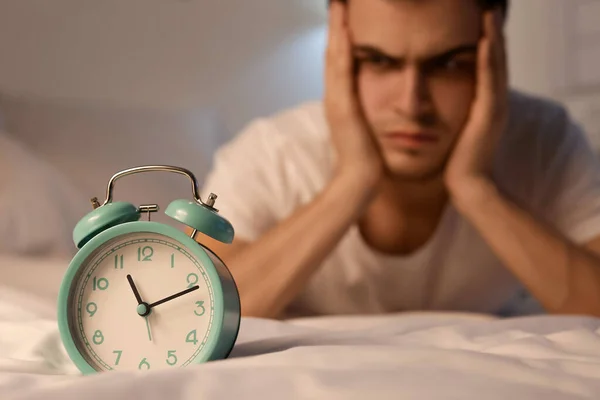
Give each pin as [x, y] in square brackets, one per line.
[88, 141]
[39, 207]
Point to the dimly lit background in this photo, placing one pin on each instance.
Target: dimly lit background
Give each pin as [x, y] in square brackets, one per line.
[96, 86]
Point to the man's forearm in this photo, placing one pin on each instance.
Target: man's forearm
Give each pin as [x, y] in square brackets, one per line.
[273, 270]
[562, 276]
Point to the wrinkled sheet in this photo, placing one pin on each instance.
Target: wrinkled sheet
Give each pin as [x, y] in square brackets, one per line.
[408, 356]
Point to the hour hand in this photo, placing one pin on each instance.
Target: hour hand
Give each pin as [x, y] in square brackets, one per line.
[135, 291]
[174, 296]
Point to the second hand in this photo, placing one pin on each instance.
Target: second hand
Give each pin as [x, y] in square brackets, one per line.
[148, 327]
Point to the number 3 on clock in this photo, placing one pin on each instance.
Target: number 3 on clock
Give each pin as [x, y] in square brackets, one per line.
[200, 305]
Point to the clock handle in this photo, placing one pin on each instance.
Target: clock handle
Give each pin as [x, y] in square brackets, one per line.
[199, 215]
[153, 168]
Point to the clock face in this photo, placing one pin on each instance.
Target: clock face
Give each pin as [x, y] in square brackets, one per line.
[113, 330]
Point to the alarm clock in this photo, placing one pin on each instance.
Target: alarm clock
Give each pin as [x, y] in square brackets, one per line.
[141, 295]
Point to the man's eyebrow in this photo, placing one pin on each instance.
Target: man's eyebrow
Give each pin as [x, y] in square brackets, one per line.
[447, 54]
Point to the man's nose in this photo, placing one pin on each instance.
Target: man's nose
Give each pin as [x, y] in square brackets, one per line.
[410, 93]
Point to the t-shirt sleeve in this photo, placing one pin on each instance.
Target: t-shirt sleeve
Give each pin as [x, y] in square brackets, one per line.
[570, 195]
[248, 177]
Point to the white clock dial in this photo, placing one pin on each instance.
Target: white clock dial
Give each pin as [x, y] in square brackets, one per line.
[107, 321]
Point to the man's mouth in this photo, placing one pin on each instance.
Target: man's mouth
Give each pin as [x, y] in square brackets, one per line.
[409, 139]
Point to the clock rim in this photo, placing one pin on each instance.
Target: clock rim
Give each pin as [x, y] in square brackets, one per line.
[227, 310]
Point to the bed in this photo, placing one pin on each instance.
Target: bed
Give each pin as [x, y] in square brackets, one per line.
[408, 356]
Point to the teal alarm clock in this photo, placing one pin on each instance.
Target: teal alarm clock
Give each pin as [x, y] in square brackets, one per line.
[142, 295]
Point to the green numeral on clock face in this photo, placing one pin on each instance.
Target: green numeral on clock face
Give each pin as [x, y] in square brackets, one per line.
[200, 304]
[145, 253]
[91, 308]
[101, 283]
[192, 279]
[172, 260]
[144, 363]
[171, 357]
[98, 337]
[119, 261]
[191, 337]
[118, 353]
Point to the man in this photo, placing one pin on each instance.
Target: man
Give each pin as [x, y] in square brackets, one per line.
[420, 183]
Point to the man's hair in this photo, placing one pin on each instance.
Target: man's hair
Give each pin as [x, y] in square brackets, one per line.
[489, 4]
[486, 4]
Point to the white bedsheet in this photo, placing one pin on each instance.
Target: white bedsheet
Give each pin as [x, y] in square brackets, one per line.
[409, 356]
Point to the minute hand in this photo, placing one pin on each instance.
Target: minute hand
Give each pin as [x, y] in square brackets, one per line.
[174, 296]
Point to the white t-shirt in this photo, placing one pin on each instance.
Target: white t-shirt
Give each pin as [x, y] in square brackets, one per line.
[543, 163]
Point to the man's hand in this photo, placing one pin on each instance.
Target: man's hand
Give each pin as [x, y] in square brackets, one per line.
[357, 151]
[565, 278]
[470, 166]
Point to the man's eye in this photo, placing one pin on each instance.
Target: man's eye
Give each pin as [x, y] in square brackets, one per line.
[451, 64]
[383, 61]
[458, 65]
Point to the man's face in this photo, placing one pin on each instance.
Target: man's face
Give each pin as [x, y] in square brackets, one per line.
[416, 75]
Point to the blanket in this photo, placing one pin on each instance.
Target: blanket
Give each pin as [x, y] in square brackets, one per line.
[409, 356]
